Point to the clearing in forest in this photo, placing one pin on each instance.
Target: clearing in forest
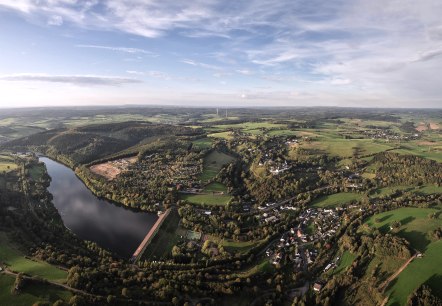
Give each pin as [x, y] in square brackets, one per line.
[111, 169]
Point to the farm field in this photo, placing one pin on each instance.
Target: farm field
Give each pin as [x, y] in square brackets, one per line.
[415, 224]
[336, 199]
[7, 163]
[251, 126]
[344, 147]
[31, 293]
[16, 261]
[223, 135]
[206, 199]
[413, 148]
[427, 269]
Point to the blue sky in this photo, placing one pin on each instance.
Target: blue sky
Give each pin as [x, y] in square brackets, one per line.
[376, 53]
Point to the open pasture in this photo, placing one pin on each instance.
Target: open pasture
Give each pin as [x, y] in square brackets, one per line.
[416, 224]
[16, 261]
[213, 162]
[336, 199]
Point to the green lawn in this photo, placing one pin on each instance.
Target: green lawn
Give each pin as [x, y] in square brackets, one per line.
[207, 199]
[30, 294]
[415, 224]
[422, 270]
[16, 261]
[336, 199]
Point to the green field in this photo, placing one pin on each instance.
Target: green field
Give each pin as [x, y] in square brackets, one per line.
[206, 199]
[213, 162]
[241, 247]
[425, 189]
[264, 266]
[282, 132]
[345, 261]
[223, 135]
[215, 187]
[30, 294]
[413, 148]
[415, 224]
[246, 126]
[426, 270]
[204, 143]
[336, 199]
[16, 261]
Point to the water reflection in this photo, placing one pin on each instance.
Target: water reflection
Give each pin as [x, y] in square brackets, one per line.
[113, 227]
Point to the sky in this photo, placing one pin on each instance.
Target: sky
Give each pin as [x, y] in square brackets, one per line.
[357, 53]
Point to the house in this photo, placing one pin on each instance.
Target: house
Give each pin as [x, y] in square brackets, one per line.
[299, 233]
[317, 287]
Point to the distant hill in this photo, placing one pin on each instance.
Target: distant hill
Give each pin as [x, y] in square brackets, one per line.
[85, 144]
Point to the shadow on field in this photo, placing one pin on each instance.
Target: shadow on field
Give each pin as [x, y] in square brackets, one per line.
[407, 220]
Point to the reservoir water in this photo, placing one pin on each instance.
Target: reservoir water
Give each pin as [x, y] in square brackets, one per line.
[112, 227]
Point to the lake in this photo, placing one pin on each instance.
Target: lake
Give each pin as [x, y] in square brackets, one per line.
[112, 227]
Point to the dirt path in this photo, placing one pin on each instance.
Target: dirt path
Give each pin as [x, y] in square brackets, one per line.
[387, 282]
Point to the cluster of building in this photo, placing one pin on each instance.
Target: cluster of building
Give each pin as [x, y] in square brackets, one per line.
[387, 135]
[315, 224]
[326, 222]
[270, 212]
[290, 247]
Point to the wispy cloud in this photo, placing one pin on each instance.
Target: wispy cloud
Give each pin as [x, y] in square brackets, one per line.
[199, 64]
[119, 49]
[82, 80]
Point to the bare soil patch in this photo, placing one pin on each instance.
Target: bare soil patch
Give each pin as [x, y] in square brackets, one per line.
[111, 169]
[434, 126]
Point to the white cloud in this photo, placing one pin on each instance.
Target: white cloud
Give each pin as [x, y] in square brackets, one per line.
[392, 49]
[340, 81]
[55, 20]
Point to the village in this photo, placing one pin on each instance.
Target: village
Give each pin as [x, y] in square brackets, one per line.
[297, 244]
